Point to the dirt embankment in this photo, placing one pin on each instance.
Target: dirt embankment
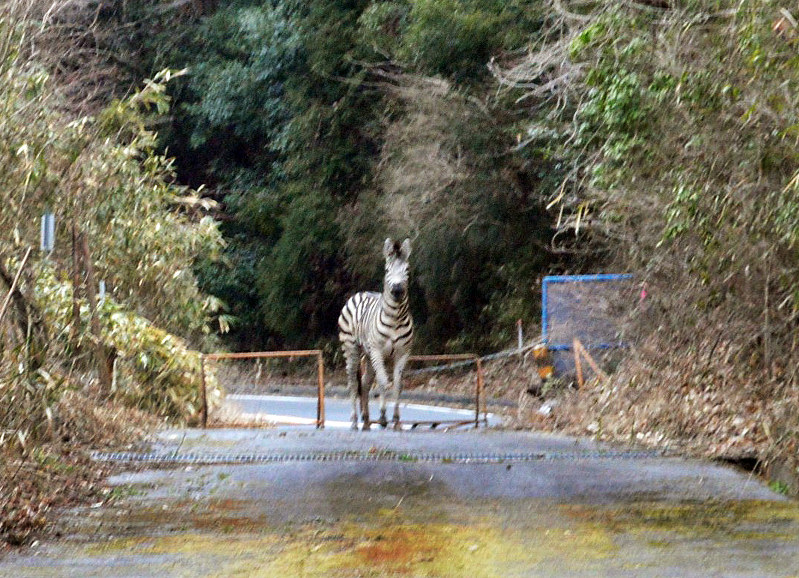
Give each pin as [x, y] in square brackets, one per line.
[38, 479]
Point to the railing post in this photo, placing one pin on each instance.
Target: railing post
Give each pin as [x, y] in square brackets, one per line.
[480, 393]
[320, 399]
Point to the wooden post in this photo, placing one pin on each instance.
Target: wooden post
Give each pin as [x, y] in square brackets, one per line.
[203, 395]
[320, 400]
[577, 364]
[587, 356]
[580, 352]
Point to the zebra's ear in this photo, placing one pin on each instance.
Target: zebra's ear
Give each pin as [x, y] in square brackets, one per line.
[388, 248]
[405, 250]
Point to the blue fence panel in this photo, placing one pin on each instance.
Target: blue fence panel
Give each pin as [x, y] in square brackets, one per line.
[586, 307]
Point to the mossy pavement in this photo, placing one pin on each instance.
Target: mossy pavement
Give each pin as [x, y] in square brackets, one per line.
[567, 517]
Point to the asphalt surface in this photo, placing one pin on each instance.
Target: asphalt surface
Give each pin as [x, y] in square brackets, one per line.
[581, 509]
[302, 411]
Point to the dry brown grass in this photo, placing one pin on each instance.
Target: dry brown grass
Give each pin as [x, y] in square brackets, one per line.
[39, 477]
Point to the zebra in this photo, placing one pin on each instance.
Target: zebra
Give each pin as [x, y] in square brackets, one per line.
[380, 327]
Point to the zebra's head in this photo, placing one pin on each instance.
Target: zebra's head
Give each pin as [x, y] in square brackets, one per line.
[396, 279]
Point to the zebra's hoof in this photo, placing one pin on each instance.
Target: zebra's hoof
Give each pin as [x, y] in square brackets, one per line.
[367, 426]
[397, 425]
[354, 426]
[383, 421]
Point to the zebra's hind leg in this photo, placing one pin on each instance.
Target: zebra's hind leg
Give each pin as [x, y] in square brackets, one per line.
[367, 377]
[351, 356]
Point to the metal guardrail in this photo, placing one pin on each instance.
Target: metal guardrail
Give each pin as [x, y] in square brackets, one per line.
[464, 358]
[471, 360]
[460, 359]
[320, 402]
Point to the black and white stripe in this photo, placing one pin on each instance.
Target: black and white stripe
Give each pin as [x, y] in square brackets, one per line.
[379, 326]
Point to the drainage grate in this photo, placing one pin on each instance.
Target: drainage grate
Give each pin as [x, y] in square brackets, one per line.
[368, 456]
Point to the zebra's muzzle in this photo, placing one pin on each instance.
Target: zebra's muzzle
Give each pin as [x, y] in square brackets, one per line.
[397, 292]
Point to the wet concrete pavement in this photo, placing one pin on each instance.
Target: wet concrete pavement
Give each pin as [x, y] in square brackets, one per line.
[576, 511]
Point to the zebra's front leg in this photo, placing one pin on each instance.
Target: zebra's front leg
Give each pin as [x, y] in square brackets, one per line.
[352, 358]
[381, 375]
[399, 366]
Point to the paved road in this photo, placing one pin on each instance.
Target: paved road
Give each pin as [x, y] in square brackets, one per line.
[504, 504]
[302, 410]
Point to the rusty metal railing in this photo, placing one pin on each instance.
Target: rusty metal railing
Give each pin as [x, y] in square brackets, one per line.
[320, 403]
[479, 394]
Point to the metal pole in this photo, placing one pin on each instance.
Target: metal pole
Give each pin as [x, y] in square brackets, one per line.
[520, 334]
[320, 403]
[47, 234]
[102, 353]
[443, 357]
[544, 312]
[75, 324]
[480, 392]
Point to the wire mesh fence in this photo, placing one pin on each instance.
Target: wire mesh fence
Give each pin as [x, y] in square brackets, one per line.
[588, 308]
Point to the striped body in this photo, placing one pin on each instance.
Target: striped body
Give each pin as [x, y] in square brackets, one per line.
[372, 322]
[378, 326]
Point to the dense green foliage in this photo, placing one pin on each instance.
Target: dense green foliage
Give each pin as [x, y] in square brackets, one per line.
[684, 126]
[320, 128]
[507, 139]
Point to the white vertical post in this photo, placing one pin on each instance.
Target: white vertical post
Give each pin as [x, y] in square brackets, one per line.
[47, 236]
[520, 334]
